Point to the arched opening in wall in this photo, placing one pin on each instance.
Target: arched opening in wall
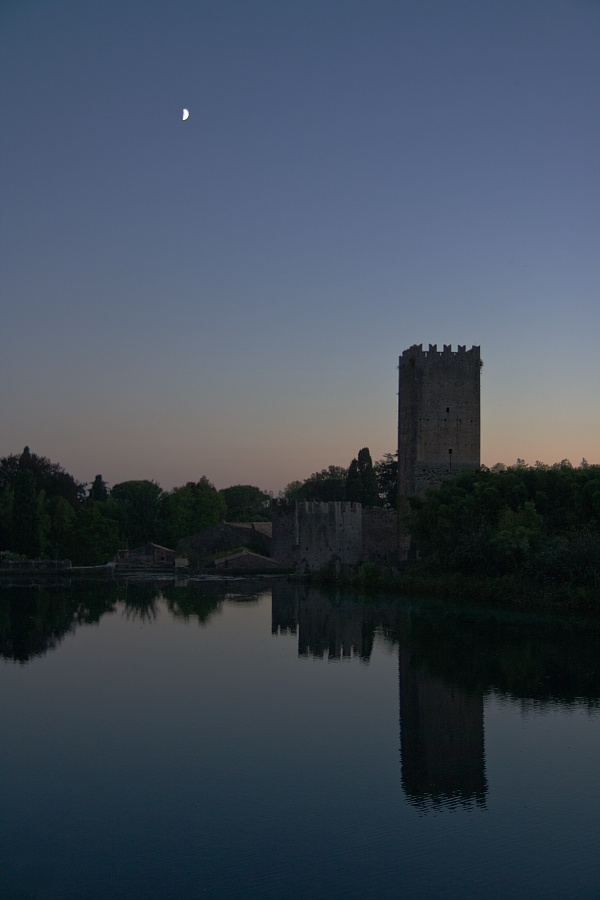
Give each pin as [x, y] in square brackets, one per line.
[450, 456]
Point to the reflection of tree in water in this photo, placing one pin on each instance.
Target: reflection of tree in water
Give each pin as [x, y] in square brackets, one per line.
[201, 600]
[187, 600]
[524, 657]
[35, 619]
[140, 600]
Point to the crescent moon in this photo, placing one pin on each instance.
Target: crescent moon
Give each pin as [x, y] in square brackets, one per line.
[186, 114]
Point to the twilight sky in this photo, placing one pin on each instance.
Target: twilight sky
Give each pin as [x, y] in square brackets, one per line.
[228, 296]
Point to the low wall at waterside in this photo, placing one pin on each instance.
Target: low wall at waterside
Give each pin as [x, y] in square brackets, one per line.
[34, 565]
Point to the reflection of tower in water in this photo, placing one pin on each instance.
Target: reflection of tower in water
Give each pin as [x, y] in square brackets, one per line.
[441, 723]
[441, 740]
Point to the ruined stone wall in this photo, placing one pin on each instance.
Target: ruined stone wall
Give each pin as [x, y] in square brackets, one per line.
[310, 535]
[438, 415]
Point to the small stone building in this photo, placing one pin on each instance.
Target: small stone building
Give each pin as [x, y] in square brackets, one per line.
[255, 536]
[246, 561]
[148, 556]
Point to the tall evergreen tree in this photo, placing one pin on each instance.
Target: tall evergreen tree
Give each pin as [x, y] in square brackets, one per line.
[98, 490]
[361, 481]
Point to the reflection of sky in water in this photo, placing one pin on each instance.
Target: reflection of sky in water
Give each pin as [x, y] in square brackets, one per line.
[171, 759]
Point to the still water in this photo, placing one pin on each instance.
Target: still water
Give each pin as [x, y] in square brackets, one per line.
[222, 739]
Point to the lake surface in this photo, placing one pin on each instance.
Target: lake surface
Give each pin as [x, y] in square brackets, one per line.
[222, 740]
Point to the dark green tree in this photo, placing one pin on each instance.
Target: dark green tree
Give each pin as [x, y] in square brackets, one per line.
[327, 485]
[507, 520]
[137, 506]
[293, 490]
[28, 521]
[48, 476]
[192, 508]
[62, 520]
[246, 503]
[93, 538]
[6, 517]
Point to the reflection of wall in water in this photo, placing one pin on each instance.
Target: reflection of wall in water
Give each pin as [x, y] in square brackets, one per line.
[441, 739]
[325, 628]
[284, 608]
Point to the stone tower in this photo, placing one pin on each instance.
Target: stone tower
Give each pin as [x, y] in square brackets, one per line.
[438, 415]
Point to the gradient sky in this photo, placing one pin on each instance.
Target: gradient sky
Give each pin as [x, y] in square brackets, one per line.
[228, 296]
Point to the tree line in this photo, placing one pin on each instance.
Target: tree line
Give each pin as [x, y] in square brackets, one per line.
[372, 484]
[540, 521]
[540, 524]
[45, 513]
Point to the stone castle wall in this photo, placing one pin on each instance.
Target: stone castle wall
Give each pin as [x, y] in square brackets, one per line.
[311, 535]
[438, 415]
[379, 535]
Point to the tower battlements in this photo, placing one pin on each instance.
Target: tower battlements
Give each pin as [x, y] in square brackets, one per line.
[416, 351]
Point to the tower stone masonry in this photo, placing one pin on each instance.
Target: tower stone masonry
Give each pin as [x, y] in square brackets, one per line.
[438, 415]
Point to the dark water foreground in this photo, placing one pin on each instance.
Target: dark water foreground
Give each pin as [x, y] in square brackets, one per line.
[227, 740]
